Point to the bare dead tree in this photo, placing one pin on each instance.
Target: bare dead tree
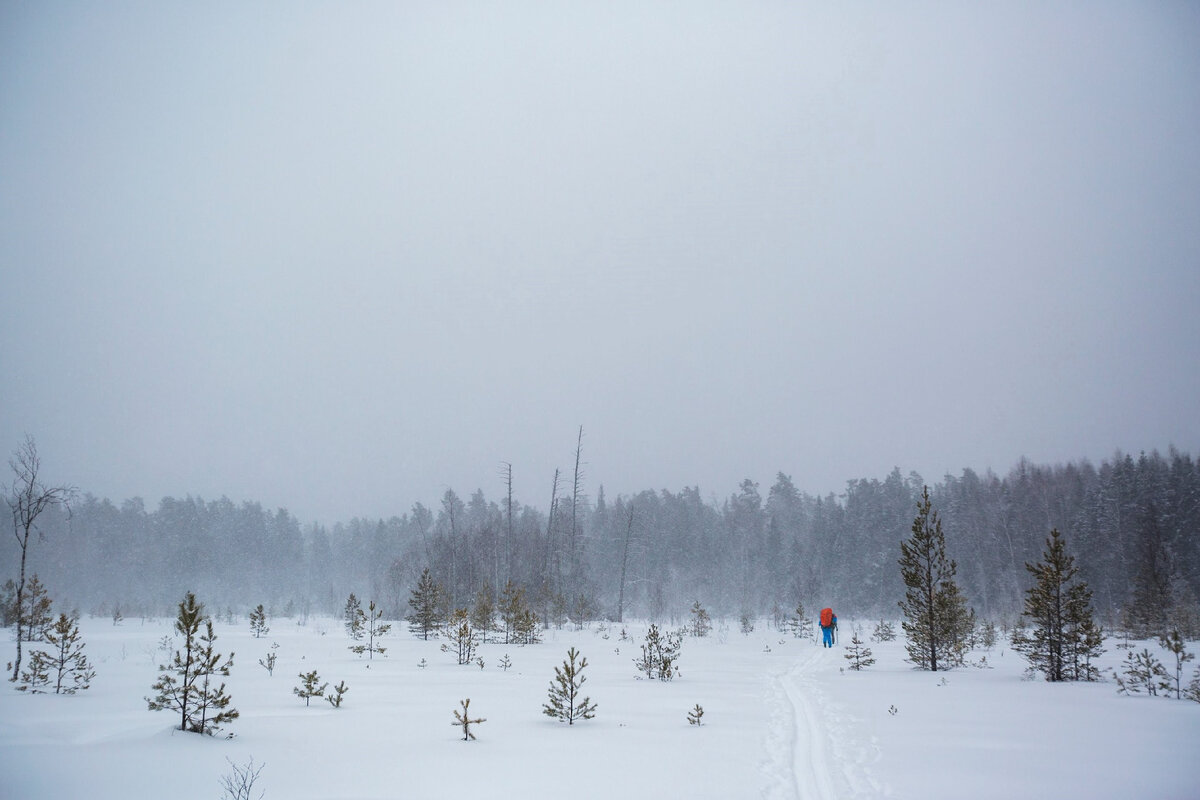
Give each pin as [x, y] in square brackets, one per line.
[625, 564]
[573, 556]
[239, 784]
[506, 471]
[551, 557]
[27, 499]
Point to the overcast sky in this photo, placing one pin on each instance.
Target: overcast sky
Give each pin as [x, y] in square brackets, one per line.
[339, 257]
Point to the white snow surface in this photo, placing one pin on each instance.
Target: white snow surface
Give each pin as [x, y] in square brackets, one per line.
[783, 719]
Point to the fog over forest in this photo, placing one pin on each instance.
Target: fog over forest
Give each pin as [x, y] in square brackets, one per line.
[1132, 523]
[311, 273]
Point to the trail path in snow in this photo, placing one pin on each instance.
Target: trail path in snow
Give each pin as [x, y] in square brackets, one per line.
[814, 752]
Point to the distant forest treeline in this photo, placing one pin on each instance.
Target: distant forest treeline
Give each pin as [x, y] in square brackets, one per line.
[1132, 523]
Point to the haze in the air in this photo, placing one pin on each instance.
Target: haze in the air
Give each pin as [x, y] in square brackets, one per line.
[338, 258]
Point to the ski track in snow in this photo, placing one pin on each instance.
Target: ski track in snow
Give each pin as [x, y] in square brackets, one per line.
[813, 751]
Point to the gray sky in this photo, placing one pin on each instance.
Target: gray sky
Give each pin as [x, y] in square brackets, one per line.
[339, 257]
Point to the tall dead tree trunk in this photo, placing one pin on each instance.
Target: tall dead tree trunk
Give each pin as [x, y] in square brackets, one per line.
[624, 565]
[573, 557]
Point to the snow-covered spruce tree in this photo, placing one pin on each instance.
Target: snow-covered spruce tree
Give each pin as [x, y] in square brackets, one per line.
[185, 686]
[660, 654]
[936, 618]
[63, 668]
[427, 603]
[310, 686]
[462, 719]
[701, 621]
[460, 637]
[258, 622]
[564, 702]
[857, 653]
[1058, 608]
[354, 618]
[1173, 644]
[695, 716]
[374, 628]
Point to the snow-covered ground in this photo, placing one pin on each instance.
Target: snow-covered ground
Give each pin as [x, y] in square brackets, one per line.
[783, 719]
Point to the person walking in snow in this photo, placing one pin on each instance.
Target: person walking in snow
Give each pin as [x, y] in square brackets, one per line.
[828, 626]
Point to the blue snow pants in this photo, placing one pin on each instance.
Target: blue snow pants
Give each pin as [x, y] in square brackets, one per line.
[827, 636]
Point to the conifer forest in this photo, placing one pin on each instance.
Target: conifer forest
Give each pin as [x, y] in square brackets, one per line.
[1131, 522]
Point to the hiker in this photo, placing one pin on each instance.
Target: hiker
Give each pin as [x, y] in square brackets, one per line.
[828, 626]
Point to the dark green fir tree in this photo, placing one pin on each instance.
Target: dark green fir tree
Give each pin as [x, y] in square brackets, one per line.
[937, 621]
[1060, 640]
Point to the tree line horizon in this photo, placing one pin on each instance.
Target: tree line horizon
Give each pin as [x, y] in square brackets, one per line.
[1133, 525]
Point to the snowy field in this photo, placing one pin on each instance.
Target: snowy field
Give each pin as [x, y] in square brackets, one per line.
[784, 719]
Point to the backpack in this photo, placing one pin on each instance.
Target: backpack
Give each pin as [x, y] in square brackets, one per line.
[826, 617]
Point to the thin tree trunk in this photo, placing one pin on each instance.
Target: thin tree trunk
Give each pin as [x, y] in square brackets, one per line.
[509, 538]
[573, 550]
[929, 590]
[20, 600]
[550, 548]
[624, 565]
